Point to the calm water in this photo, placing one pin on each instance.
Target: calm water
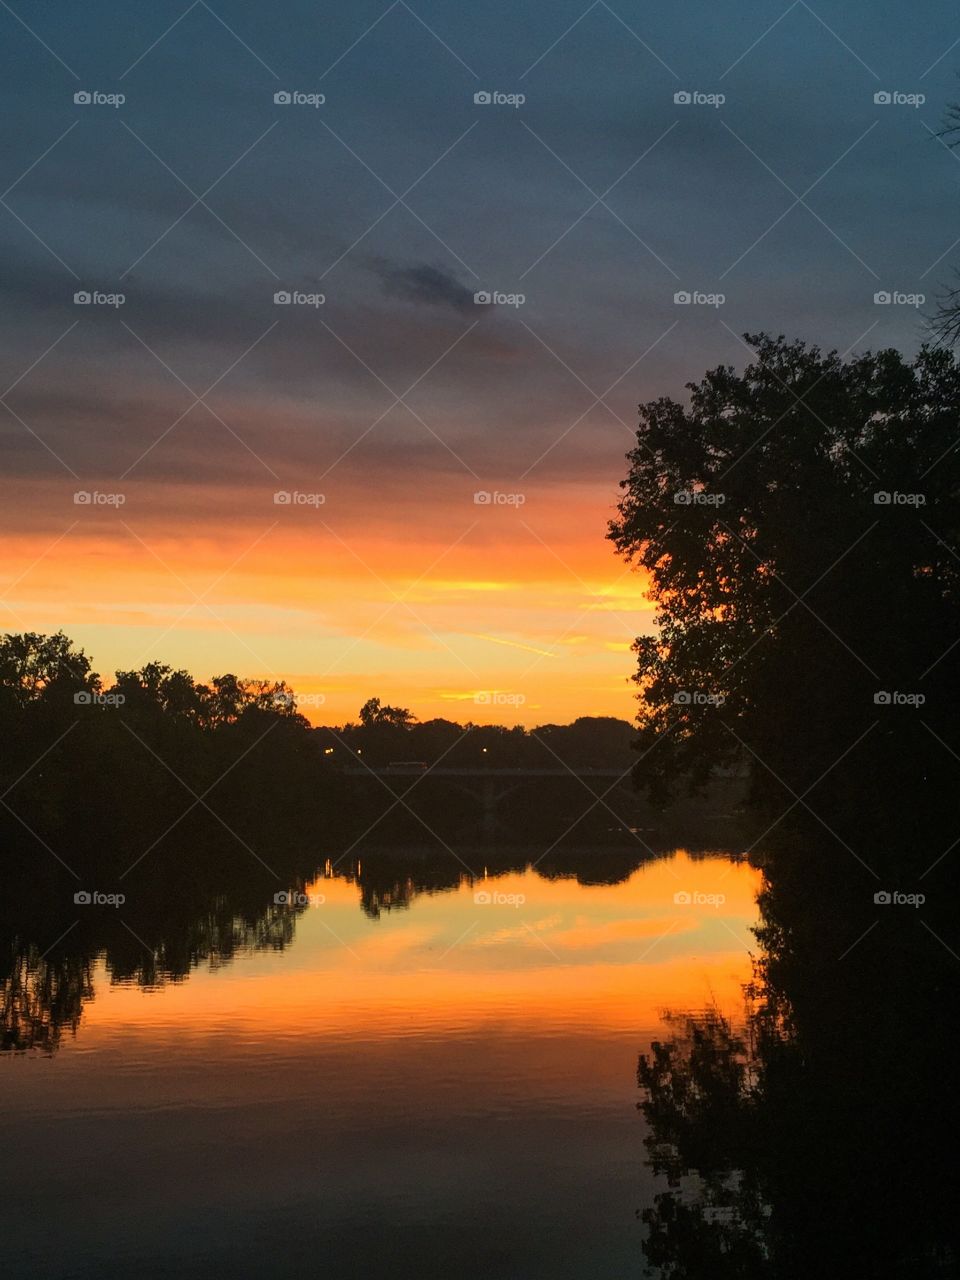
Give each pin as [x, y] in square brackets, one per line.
[444, 1088]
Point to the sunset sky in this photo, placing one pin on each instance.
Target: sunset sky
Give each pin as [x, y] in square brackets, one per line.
[400, 398]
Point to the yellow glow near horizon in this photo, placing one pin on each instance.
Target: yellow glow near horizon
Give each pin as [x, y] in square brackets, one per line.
[420, 622]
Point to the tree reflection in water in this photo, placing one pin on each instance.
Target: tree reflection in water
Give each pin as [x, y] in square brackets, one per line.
[41, 998]
[193, 909]
[42, 994]
[818, 1136]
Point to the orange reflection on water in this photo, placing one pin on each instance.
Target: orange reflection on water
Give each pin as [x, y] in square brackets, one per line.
[545, 957]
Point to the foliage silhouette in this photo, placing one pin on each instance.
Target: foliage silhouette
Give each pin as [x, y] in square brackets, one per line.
[798, 523]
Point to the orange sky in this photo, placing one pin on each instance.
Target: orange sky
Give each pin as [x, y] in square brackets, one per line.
[456, 600]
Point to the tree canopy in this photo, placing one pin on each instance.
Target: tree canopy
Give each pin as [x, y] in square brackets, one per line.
[798, 524]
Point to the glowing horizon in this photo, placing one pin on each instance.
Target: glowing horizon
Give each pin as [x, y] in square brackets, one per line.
[504, 601]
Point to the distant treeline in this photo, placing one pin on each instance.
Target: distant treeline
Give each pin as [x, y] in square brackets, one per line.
[387, 735]
[86, 762]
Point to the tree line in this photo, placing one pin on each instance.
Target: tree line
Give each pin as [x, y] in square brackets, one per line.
[155, 752]
[91, 763]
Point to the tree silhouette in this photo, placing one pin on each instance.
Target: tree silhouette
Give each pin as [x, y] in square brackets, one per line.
[79, 760]
[798, 524]
[374, 712]
[36, 668]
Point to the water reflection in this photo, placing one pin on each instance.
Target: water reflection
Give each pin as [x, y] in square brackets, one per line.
[189, 913]
[482, 1027]
[816, 1134]
[40, 998]
[446, 1088]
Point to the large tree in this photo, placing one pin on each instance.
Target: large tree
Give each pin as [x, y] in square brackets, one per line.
[798, 525]
[38, 667]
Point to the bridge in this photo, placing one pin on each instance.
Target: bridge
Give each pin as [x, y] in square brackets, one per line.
[489, 784]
